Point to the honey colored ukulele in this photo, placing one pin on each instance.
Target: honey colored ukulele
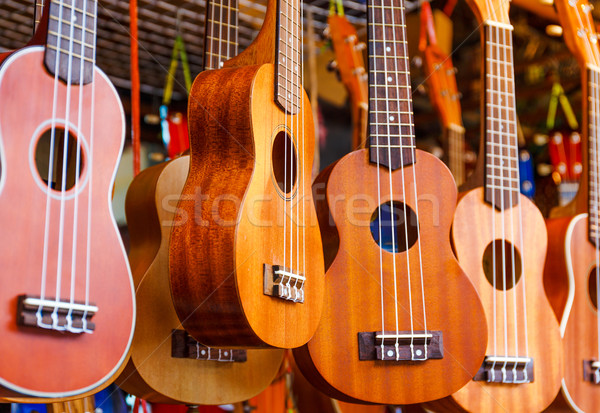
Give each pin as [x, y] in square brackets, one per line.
[166, 364]
[397, 304]
[573, 264]
[68, 293]
[441, 81]
[500, 240]
[350, 66]
[246, 267]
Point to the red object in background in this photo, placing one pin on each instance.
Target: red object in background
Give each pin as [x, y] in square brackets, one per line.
[565, 154]
[178, 131]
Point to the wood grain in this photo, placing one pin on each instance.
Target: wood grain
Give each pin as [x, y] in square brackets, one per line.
[152, 373]
[473, 227]
[70, 370]
[353, 293]
[236, 224]
[580, 328]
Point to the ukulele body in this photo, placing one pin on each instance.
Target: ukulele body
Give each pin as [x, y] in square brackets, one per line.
[39, 361]
[236, 224]
[330, 360]
[472, 233]
[577, 312]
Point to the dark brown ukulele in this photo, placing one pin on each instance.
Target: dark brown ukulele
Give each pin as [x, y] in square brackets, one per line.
[401, 323]
[246, 263]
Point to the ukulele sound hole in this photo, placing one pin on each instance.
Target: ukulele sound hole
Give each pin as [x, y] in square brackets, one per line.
[504, 266]
[285, 162]
[389, 228]
[58, 157]
[592, 288]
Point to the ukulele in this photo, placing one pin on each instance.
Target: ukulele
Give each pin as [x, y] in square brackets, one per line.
[166, 364]
[396, 301]
[69, 292]
[440, 75]
[350, 67]
[499, 238]
[246, 267]
[564, 149]
[572, 266]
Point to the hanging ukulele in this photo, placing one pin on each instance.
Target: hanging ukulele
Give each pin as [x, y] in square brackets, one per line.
[396, 301]
[500, 240]
[443, 93]
[572, 276]
[67, 288]
[350, 66]
[166, 364]
[246, 266]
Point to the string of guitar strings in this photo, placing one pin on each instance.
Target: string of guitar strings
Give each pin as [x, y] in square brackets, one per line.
[412, 147]
[373, 81]
[388, 120]
[296, 77]
[285, 92]
[77, 170]
[594, 83]
[302, 149]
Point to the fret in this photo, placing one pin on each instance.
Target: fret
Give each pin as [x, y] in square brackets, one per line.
[388, 25]
[76, 41]
[224, 6]
[221, 40]
[391, 57]
[66, 52]
[388, 41]
[502, 188]
[374, 145]
[374, 98]
[223, 24]
[503, 178]
[77, 26]
[404, 72]
[77, 9]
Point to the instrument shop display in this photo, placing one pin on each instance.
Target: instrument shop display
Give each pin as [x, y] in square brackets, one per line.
[343, 206]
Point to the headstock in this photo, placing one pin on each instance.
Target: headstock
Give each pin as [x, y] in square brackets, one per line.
[579, 31]
[491, 10]
[349, 61]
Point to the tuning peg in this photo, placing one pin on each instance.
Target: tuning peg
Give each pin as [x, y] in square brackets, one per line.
[364, 77]
[421, 89]
[358, 71]
[360, 46]
[332, 66]
[452, 71]
[417, 61]
[351, 39]
[326, 32]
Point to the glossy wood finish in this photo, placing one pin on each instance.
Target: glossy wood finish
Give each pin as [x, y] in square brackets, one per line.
[71, 369]
[217, 255]
[152, 373]
[353, 292]
[80, 405]
[579, 320]
[472, 233]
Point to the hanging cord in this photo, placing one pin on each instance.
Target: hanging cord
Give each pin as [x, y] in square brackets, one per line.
[449, 7]
[135, 86]
[427, 35]
[336, 7]
[558, 95]
[178, 53]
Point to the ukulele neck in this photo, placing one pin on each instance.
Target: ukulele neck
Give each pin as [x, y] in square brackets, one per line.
[221, 39]
[288, 70]
[37, 14]
[593, 76]
[71, 40]
[501, 149]
[391, 126]
[455, 135]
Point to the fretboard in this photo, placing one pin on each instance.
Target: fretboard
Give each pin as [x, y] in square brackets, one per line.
[288, 71]
[391, 127]
[71, 40]
[221, 34]
[593, 152]
[37, 13]
[455, 135]
[501, 148]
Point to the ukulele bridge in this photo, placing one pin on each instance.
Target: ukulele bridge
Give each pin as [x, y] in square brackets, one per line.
[50, 314]
[184, 346]
[506, 370]
[400, 346]
[283, 283]
[591, 371]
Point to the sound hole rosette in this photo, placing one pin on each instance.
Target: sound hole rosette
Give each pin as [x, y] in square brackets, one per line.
[83, 173]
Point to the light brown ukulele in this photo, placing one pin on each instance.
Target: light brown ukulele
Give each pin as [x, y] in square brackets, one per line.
[573, 264]
[500, 240]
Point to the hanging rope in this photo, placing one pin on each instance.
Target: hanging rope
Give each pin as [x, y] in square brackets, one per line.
[135, 86]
